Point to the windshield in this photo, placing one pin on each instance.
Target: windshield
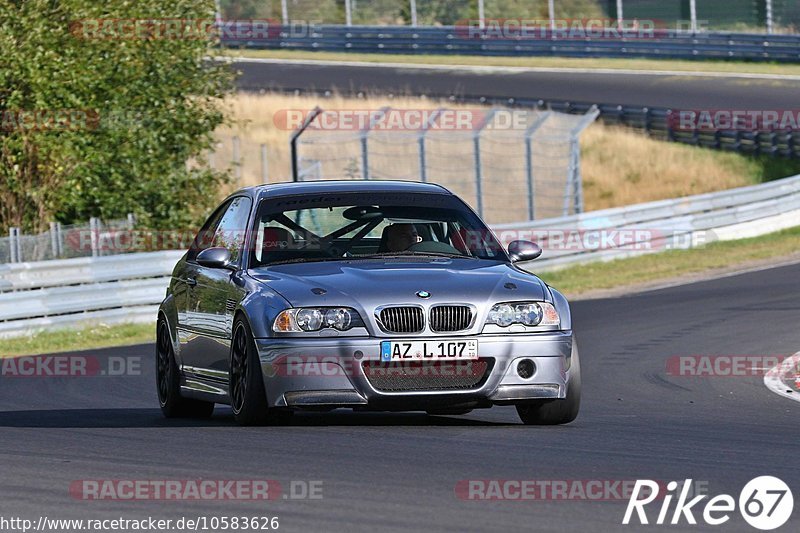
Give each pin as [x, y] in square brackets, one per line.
[334, 227]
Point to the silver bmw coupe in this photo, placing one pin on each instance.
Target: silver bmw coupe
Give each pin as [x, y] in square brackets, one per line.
[371, 295]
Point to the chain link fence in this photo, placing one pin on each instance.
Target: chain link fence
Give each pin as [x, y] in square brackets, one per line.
[68, 241]
[510, 165]
[713, 15]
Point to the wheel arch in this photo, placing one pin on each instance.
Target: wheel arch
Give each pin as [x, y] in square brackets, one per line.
[169, 313]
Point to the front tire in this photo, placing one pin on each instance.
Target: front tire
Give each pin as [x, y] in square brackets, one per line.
[246, 382]
[168, 381]
[554, 412]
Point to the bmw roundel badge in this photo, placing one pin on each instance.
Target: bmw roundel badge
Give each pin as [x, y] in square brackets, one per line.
[423, 294]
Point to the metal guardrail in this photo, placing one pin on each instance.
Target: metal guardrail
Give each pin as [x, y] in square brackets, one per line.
[681, 223]
[83, 292]
[456, 40]
[128, 288]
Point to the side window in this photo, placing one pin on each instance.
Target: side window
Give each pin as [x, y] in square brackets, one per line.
[232, 228]
[205, 237]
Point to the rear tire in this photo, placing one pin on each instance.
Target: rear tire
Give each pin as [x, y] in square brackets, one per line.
[554, 412]
[168, 381]
[246, 382]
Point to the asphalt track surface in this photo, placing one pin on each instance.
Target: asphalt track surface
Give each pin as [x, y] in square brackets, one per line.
[398, 472]
[630, 89]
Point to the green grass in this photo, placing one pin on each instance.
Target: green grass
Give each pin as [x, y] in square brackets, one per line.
[667, 265]
[546, 62]
[81, 339]
[572, 281]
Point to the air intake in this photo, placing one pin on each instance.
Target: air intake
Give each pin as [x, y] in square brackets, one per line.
[451, 318]
[402, 319]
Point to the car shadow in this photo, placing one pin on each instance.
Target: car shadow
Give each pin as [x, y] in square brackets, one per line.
[152, 418]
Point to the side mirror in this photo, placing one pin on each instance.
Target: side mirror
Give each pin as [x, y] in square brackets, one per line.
[214, 258]
[523, 251]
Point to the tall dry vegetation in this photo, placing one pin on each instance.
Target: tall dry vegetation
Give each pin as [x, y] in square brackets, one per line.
[619, 166]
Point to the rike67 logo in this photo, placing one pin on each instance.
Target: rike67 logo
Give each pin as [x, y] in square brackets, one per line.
[765, 503]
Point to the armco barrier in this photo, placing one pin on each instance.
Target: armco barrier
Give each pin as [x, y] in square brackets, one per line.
[665, 225]
[457, 41]
[128, 288]
[85, 291]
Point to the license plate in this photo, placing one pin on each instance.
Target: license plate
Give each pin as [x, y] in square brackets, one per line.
[430, 350]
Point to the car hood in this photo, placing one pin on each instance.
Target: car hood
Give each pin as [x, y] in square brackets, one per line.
[367, 284]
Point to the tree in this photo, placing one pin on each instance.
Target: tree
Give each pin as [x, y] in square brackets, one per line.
[98, 116]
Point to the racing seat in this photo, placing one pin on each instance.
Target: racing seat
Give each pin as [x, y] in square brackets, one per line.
[278, 244]
[276, 239]
[383, 246]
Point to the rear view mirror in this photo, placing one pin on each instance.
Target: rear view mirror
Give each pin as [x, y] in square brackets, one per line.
[520, 251]
[218, 257]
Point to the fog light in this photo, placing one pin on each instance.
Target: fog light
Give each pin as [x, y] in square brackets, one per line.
[526, 368]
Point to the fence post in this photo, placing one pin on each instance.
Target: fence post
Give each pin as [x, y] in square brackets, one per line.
[94, 232]
[574, 178]
[348, 13]
[264, 164]
[423, 163]
[476, 146]
[237, 160]
[60, 239]
[54, 239]
[413, 8]
[365, 137]
[13, 247]
[769, 16]
[570, 183]
[284, 12]
[364, 158]
[529, 162]
[578, 178]
[296, 135]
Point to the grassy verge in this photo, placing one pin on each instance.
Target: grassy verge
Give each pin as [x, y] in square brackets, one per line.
[82, 339]
[576, 280]
[539, 62]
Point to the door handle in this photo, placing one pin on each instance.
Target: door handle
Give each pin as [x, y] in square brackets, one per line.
[191, 282]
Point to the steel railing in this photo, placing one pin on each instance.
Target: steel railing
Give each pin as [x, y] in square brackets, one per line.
[452, 40]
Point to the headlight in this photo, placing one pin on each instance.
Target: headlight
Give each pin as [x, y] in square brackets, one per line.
[525, 313]
[308, 319]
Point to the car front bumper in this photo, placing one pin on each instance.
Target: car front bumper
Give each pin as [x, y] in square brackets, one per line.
[329, 373]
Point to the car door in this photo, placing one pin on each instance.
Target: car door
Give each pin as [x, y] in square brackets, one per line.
[215, 295]
[185, 282]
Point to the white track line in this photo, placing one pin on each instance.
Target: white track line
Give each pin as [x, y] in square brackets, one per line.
[774, 379]
[509, 70]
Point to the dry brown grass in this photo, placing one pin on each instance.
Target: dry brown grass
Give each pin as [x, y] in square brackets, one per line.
[619, 166]
[622, 167]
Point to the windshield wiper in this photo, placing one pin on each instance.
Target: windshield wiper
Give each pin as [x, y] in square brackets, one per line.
[304, 260]
[382, 255]
[414, 253]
